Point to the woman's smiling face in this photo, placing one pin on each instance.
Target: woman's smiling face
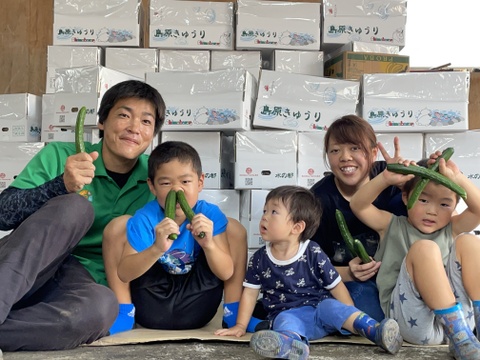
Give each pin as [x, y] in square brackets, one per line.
[349, 163]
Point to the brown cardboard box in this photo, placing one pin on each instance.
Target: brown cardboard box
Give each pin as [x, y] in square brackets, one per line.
[474, 101]
[351, 65]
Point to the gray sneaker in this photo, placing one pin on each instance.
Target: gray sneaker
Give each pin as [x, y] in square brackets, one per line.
[274, 345]
[388, 336]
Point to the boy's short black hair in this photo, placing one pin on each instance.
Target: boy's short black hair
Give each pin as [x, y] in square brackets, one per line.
[173, 150]
[410, 184]
[133, 89]
[301, 204]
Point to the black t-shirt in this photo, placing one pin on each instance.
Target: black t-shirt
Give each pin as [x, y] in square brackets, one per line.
[328, 234]
[120, 179]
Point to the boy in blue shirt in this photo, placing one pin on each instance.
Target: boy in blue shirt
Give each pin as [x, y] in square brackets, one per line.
[174, 284]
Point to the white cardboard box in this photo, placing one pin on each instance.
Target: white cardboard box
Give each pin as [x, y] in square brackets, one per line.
[302, 102]
[411, 145]
[184, 60]
[62, 56]
[357, 20]
[67, 105]
[20, 117]
[310, 164]
[133, 61]
[15, 156]
[88, 79]
[191, 25]
[416, 102]
[252, 203]
[265, 159]
[363, 46]
[98, 23]
[299, 62]
[247, 60]
[467, 150]
[207, 101]
[70, 56]
[50, 132]
[216, 153]
[228, 200]
[83, 86]
[278, 25]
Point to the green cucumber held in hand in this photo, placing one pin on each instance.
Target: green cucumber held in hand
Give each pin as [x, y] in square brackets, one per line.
[347, 237]
[428, 174]
[354, 245]
[361, 252]
[187, 209]
[170, 205]
[79, 123]
[420, 186]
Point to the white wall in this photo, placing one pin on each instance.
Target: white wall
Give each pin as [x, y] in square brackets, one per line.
[440, 32]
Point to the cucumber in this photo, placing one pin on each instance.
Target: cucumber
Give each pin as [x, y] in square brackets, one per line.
[79, 142]
[420, 186]
[347, 237]
[170, 205]
[428, 174]
[361, 252]
[187, 209]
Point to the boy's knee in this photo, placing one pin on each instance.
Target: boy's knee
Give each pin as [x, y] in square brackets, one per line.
[421, 249]
[236, 232]
[115, 230]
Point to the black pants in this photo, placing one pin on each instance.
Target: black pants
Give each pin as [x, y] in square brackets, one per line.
[48, 300]
[177, 302]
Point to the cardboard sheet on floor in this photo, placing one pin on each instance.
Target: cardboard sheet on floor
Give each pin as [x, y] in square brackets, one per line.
[141, 335]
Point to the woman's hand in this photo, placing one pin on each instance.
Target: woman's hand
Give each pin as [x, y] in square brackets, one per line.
[396, 156]
[363, 272]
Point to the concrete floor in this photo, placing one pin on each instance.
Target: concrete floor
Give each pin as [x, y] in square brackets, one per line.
[226, 351]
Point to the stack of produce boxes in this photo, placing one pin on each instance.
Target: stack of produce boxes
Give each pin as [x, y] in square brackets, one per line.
[20, 118]
[254, 86]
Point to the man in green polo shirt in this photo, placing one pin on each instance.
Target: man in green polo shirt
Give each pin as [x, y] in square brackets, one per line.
[48, 300]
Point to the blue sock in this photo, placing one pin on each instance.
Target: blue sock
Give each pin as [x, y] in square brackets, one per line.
[463, 344]
[125, 319]
[476, 313]
[230, 313]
